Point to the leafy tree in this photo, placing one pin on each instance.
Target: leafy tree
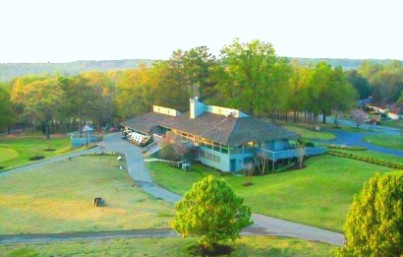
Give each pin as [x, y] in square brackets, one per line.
[6, 109]
[386, 81]
[137, 91]
[329, 90]
[212, 212]
[250, 74]
[374, 225]
[297, 89]
[360, 83]
[172, 148]
[102, 107]
[199, 65]
[42, 99]
[358, 116]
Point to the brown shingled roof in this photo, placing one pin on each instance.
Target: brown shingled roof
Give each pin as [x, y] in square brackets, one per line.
[146, 122]
[228, 130]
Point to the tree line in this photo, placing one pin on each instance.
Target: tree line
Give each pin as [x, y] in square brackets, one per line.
[247, 76]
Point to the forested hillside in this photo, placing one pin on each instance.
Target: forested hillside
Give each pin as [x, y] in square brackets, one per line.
[247, 76]
[10, 71]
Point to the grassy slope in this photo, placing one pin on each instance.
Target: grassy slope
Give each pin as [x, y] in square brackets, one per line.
[310, 134]
[175, 247]
[319, 195]
[58, 198]
[395, 142]
[29, 146]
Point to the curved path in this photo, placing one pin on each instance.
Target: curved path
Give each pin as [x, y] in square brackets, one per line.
[263, 225]
[357, 139]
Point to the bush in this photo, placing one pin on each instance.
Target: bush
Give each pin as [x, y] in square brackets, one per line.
[212, 212]
[37, 157]
[374, 225]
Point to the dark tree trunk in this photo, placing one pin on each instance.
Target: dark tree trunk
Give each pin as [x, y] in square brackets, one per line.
[324, 117]
[47, 130]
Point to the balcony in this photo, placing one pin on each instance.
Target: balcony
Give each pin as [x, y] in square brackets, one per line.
[288, 154]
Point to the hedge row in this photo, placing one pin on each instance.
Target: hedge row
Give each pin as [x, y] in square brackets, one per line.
[366, 159]
[104, 154]
[344, 147]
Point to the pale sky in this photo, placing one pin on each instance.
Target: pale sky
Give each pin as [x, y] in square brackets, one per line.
[70, 30]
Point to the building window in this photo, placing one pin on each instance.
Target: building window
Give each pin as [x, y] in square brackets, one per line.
[209, 156]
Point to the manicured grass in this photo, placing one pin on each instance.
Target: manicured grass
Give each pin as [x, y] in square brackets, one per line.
[395, 142]
[59, 198]
[318, 195]
[310, 134]
[257, 246]
[7, 154]
[392, 123]
[18, 149]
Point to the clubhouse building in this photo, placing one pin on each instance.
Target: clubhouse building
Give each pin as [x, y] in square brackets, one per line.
[225, 138]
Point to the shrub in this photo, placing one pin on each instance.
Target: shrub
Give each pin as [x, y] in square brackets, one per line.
[374, 225]
[212, 212]
[36, 157]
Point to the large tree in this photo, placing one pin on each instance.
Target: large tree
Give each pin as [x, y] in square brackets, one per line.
[199, 64]
[42, 99]
[136, 91]
[212, 212]
[252, 78]
[374, 225]
[386, 81]
[360, 83]
[329, 91]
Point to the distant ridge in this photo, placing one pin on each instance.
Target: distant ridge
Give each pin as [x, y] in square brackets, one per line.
[9, 71]
[347, 64]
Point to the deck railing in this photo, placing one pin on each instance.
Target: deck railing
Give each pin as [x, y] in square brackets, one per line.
[291, 153]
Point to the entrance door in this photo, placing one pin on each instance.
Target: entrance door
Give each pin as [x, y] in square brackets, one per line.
[232, 165]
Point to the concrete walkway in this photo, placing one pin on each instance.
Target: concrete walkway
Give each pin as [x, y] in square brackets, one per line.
[263, 225]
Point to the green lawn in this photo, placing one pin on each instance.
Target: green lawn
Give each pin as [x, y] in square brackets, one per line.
[16, 150]
[59, 198]
[319, 195]
[310, 134]
[395, 142]
[392, 123]
[256, 246]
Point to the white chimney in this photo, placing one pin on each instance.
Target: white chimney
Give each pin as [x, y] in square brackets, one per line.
[196, 108]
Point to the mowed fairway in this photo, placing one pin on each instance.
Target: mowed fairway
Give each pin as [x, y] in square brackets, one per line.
[395, 142]
[59, 198]
[256, 246]
[16, 150]
[310, 134]
[319, 195]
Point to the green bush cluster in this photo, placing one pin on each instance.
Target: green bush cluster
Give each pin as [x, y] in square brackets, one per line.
[105, 154]
[349, 148]
[306, 142]
[366, 159]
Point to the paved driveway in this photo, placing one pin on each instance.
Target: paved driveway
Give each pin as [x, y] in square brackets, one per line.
[356, 139]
